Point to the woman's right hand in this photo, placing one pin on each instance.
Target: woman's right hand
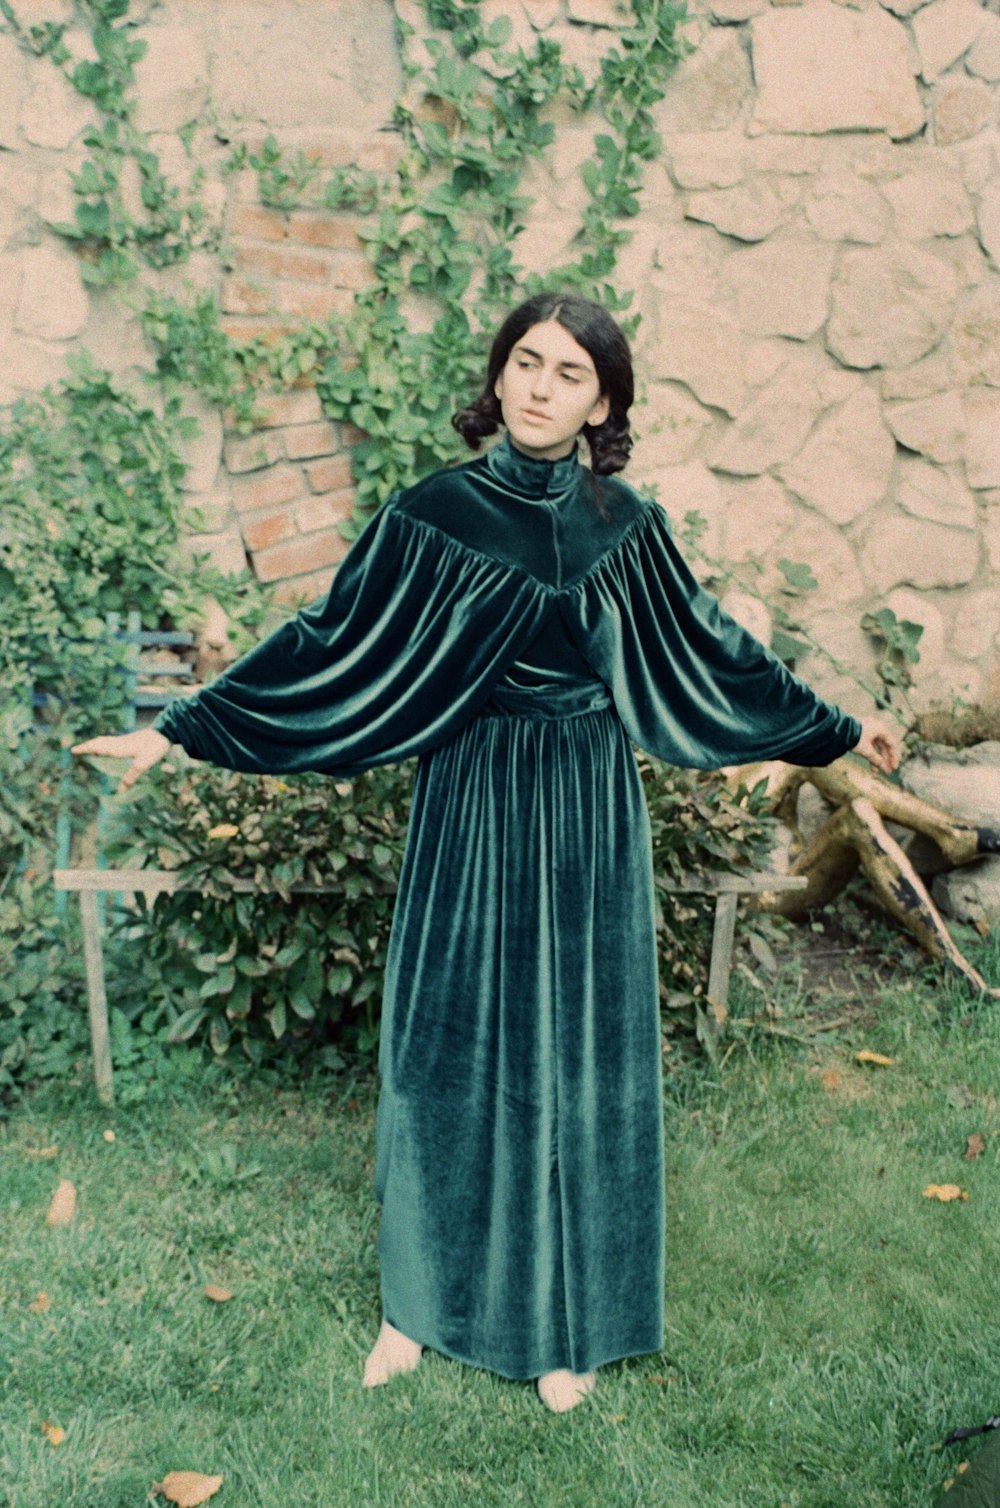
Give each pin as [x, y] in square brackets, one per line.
[144, 748]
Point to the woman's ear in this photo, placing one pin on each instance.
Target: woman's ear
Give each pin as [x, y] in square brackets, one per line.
[498, 387]
[599, 412]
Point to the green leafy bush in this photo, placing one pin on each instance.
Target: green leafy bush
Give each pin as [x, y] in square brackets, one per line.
[282, 974]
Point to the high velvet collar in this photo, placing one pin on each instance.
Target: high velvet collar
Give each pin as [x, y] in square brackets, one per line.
[528, 477]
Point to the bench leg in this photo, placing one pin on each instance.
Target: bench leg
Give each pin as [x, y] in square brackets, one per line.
[97, 1000]
[721, 963]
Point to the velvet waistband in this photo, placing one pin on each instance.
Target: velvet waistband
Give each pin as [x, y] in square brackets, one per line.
[552, 700]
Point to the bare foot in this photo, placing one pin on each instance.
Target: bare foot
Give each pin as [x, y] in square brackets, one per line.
[392, 1352]
[562, 1391]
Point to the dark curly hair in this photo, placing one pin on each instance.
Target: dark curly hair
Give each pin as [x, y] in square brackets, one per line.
[592, 327]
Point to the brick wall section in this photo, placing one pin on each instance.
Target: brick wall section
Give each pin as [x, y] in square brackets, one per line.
[291, 478]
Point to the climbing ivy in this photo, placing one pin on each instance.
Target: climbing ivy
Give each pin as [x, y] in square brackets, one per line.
[112, 237]
[443, 239]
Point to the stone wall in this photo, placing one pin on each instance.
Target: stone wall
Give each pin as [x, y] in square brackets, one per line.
[816, 265]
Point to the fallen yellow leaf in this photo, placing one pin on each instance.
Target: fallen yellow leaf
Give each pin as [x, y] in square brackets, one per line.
[43, 1153]
[975, 1146]
[867, 1056]
[109, 1135]
[63, 1206]
[187, 1488]
[40, 1303]
[222, 830]
[53, 1433]
[216, 1294]
[946, 1192]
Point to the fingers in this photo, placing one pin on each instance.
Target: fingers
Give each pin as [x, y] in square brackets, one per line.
[106, 745]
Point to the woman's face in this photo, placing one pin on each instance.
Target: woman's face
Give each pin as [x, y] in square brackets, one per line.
[548, 390]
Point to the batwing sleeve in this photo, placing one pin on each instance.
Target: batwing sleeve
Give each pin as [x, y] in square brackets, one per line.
[690, 684]
[406, 647]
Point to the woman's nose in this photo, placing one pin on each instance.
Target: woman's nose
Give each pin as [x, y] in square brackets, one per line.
[541, 383]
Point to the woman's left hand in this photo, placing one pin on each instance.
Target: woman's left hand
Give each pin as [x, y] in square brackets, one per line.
[880, 744]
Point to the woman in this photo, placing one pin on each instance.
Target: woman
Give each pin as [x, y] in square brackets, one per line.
[515, 621]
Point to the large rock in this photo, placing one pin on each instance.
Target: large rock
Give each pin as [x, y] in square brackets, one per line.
[691, 488]
[672, 431]
[53, 302]
[983, 57]
[989, 220]
[11, 92]
[706, 91]
[54, 114]
[890, 306]
[705, 160]
[823, 68]
[844, 207]
[990, 502]
[750, 211]
[904, 7]
[976, 628]
[171, 80]
[929, 202]
[781, 287]
[687, 265]
[845, 466]
[944, 31]
[974, 341]
[965, 782]
[934, 427]
[758, 515]
[960, 108]
[915, 607]
[777, 423]
[972, 893]
[695, 345]
[899, 550]
[982, 437]
[821, 545]
[925, 491]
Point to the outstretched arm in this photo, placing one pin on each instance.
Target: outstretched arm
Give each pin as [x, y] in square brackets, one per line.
[144, 748]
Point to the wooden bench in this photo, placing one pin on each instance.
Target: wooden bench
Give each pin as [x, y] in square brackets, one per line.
[90, 883]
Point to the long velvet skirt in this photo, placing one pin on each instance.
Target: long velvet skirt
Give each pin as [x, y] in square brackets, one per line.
[520, 1135]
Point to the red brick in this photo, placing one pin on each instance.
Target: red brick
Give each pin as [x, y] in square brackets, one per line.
[353, 272]
[271, 330]
[305, 440]
[330, 473]
[310, 552]
[269, 261]
[273, 410]
[300, 590]
[260, 223]
[240, 297]
[382, 155]
[314, 303]
[266, 529]
[269, 490]
[252, 452]
[328, 509]
[317, 229]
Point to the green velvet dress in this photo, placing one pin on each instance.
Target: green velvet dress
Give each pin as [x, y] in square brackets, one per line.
[496, 622]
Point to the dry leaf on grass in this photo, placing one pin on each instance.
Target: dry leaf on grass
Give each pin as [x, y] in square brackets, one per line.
[975, 1146]
[946, 1192]
[222, 830]
[40, 1303]
[867, 1056]
[216, 1294]
[44, 1154]
[63, 1206]
[187, 1488]
[53, 1433]
[831, 1080]
[109, 1136]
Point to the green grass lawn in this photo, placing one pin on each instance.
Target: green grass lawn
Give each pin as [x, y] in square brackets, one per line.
[826, 1323]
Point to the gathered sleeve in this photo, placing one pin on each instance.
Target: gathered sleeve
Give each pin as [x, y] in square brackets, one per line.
[406, 647]
[690, 684]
